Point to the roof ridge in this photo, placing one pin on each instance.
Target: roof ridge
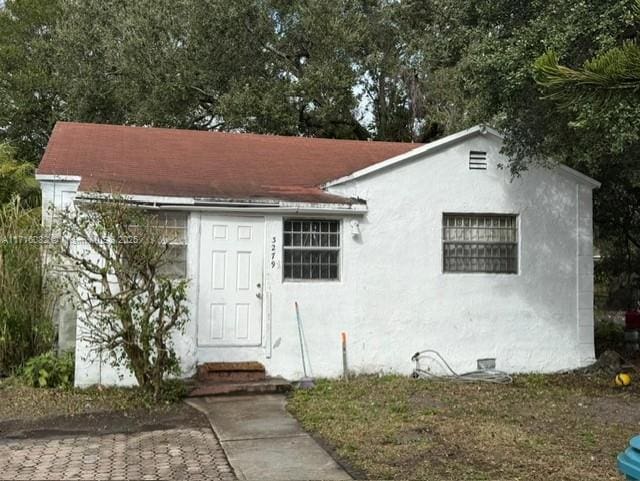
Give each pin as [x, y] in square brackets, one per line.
[247, 134]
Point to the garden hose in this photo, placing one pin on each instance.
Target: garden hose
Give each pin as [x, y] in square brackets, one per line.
[480, 375]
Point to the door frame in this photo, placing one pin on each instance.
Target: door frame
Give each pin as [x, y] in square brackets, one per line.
[203, 215]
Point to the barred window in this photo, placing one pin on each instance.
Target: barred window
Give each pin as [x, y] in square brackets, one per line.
[311, 249]
[480, 243]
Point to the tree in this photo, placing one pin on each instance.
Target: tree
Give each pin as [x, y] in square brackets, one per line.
[409, 68]
[342, 69]
[29, 100]
[126, 62]
[616, 70]
[114, 255]
[601, 98]
[17, 179]
[262, 66]
[500, 68]
[286, 67]
[590, 127]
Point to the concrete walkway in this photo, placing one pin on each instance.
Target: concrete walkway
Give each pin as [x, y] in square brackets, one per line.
[263, 441]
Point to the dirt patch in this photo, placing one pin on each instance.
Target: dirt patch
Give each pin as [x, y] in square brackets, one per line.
[614, 411]
[27, 412]
[426, 401]
[178, 415]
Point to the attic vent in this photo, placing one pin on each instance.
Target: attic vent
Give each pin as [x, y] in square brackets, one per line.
[477, 160]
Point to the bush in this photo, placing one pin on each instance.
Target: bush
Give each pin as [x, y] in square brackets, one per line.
[117, 257]
[50, 370]
[17, 179]
[26, 299]
[609, 335]
[172, 391]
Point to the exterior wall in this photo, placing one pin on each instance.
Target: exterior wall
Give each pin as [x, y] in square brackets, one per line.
[585, 273]
[93, 367]
[60, 194]
[393, 299]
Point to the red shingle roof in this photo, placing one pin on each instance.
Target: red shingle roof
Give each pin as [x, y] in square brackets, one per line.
[188, 163]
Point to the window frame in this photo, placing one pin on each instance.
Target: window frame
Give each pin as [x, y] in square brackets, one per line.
[175, 243]
[517, 243]
[339, 249]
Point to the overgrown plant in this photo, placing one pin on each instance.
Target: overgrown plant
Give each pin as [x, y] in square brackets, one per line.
[17, 178]
[608, 335]
[27, 301]
[50, 370]
[115, 256]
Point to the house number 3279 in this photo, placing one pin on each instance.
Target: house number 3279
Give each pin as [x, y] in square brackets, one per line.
[273, 252]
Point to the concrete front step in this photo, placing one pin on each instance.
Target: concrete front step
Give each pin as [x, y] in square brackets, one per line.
[271, 385]
[231, 372]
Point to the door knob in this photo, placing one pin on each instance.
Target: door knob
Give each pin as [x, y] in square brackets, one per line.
[259, 295]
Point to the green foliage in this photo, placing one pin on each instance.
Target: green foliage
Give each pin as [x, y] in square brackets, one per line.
[17, 179]
[609, 335]
[618, 68]
[126, 62]
[26, 299]
[601, 95]
[567, 120]
[29, 100]
[609, 73]
[332, 69]
[404, 70]
[172, 391]
[500, 66]
[115, 256]
[335, 69]
[50, 370]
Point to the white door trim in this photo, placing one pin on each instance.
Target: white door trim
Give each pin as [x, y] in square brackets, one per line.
[258, 221]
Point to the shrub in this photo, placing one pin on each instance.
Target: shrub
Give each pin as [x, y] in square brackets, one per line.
[116, 256]
[17, 179]
[49, 370]
[26, 300]
[608, 335]
[172, 391]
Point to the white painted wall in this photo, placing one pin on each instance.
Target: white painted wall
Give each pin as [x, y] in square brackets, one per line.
[393, 298]
[92, 366]
[61, 193]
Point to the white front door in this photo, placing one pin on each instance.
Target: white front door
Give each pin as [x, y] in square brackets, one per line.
[230, 292]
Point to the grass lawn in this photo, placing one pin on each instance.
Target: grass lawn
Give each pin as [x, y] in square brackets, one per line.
[542, 427]
[26, 411]
[18, 400]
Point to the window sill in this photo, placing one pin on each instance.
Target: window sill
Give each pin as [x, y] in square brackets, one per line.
[310, 281]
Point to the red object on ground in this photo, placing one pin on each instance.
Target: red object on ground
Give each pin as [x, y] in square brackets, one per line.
[632, 320]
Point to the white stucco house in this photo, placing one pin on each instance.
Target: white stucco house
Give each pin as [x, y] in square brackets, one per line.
[401, 246]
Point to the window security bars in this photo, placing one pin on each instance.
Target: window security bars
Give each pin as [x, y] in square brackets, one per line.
[311, 249]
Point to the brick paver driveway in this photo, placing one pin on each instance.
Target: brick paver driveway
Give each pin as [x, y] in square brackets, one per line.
[192, 453]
